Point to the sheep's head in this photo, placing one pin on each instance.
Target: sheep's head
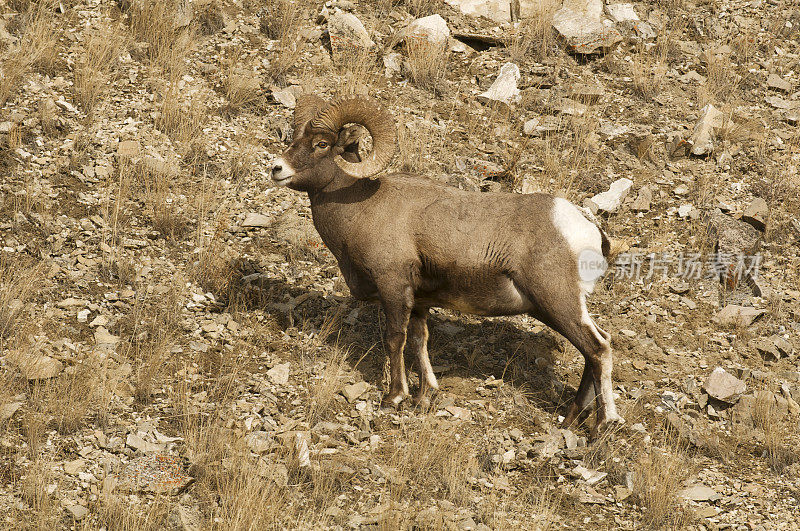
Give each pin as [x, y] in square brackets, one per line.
[323, 141]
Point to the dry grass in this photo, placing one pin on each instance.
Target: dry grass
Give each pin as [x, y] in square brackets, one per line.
[422, 8]
[431, 456]
[154, 23]
[658, 477]
[149, 333]
[279, 18]
[298, 238]
[36, 50]
[777, 448]
[322, 392]
[19, 281]
[241, 86]
[427, 64]
[94, 71]
[533, 37]
[182, 118]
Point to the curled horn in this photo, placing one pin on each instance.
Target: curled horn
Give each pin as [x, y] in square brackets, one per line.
[368, 113]
[307, 107]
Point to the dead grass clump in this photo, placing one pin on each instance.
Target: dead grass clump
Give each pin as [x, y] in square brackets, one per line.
[215, 269]
[422, 8]
[209, 17]
[431, 456]
[241, 86]
[150, 332]
[158, 24]
[658, 477]
[117, 513]
[533, 37]
[44, 507]
[279, 18]
[93, 72]
[37, 48]
[19, 279]
[766, 418]
[427, 64]
[181, 118]
[322, 392]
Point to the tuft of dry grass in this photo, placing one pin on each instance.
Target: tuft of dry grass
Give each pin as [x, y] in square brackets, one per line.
[150, 333]
[279, 18]
[93, 72]
[241, 86]
[767, 419]
[533, 37]
[19, 280]
[432, 456]
[427, 64]
[658, 477]
[422, 8]
[157, 23]
[322, 392]
[37, 48]
[182, 118]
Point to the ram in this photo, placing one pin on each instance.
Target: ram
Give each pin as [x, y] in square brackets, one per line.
[413, 244]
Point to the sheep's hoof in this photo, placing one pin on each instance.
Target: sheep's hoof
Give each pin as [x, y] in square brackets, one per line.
[608, 424]
[422, 401]
[393, 400]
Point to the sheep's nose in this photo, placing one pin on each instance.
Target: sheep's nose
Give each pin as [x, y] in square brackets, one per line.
[276, 169]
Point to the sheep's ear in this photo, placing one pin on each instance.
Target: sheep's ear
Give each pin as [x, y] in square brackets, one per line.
[348, 140]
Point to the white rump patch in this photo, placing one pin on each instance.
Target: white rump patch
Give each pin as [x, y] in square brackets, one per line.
[584, 239]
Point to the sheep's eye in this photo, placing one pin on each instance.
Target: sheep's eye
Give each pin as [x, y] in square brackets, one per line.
[322, 144]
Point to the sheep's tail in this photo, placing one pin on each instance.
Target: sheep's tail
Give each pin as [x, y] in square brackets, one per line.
[605, 246]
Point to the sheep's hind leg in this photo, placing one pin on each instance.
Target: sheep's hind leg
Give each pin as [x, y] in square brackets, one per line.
[418, 343]
[584, 398]
[397, 310]
[570, 318]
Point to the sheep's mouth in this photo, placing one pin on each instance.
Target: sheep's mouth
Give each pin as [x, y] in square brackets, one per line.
[281, 181]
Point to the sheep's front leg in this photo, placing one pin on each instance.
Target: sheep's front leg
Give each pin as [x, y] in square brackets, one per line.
[397, 308]
[418, 343]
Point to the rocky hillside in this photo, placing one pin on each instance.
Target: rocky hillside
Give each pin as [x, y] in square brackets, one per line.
[179, 350]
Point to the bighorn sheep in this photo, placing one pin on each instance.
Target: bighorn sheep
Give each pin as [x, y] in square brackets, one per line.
[413, 244]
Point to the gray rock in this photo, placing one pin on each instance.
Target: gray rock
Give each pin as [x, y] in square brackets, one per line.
[349, 37]
[279, 374]
[643, 200]
[756, 213]
[73, 467]
[610, 200]
[497, 10]
[432, 29]
[504, 89]
[622, 12]
[285, 96]
[733, 237]
[78, 512]
[128, 149]
[259, 441]
[254, 219]
[766, 348]
[778, 83]
[353, 391]
[7, 410]
[699, 493]
[735, 315]
[35, 366]
[580, 24]
[702, 139]
[724, 386]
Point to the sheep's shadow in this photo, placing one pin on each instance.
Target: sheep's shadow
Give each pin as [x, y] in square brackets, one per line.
[460, 346]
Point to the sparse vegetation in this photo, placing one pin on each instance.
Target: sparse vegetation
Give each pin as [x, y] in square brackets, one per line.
[136, 304]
